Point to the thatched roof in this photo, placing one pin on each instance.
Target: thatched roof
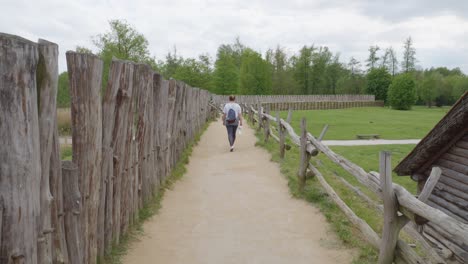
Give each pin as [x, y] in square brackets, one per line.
[439, 139]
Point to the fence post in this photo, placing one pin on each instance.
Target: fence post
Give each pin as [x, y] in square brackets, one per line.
[305, 156]
[20, 166]
[259, 113]
[288, 119]
[281, 135]
[266, 124]
[72, 208]
[391, 227]
[47, 79]
[85, 74]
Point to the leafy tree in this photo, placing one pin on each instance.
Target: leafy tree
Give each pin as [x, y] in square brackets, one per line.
[196, 73]
[254, 74]
[354, 66]
[172, 63]
[63, 93]
[226, 73]
[302, 67]
[321, 59]
[281, 72]
[81, 49]
[378, 80]
[401, 93]
[428, 88]
[123, 42]
[373, 58]
[333, 72]
[409, 56]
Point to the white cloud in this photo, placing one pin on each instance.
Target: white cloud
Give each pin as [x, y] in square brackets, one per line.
[439, 30]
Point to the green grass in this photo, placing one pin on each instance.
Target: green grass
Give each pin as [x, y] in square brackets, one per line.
[388, 123]
[66, 152]
[365, 156]
[151, 207]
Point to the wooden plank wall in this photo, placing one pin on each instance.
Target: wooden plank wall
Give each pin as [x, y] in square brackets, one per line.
[450, 195]
[124, 147]
[253, 99]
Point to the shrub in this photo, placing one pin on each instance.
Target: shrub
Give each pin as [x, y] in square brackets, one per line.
[378, 80]
[402, 92]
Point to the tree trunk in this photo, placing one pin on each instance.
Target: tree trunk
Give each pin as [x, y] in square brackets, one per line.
[20, 157]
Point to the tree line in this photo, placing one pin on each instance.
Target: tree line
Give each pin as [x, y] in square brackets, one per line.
[239, 69]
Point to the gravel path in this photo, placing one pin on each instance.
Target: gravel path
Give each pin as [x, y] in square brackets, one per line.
[235, 208]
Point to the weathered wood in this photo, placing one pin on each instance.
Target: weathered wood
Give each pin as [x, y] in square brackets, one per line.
[305, 156]
[459, 250]
[20, 166]
[369, 234]
[457, 229]
[104, 235]
[324, 131]
[60, 251]
[266, 125]
[391, 228]
[281, 135]
[289, 118]
[430, 184]
[459, 152]
[85, 75]
[72, 208]
[47, 80]
[435, 239]
[259, 113]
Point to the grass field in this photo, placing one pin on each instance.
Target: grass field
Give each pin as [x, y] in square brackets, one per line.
[388, 123]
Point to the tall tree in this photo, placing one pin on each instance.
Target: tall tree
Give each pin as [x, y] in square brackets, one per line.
[254, 75]
[226, 73]
[281, 72]
[390, 61]
[302, 68]
[378, 80]
[354, 66]
[321, 59]
[373, 58]
[409, 56]
[123, 42]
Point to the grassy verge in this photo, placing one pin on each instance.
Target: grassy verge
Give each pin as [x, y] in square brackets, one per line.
[150, 208]
[314, 193]
[388, 123]
[66, 152]
[366, 157]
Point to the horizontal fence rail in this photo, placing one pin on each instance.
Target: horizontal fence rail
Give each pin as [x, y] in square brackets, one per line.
[400, 210]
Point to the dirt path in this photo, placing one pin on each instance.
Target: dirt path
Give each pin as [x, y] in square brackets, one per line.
[235, 208]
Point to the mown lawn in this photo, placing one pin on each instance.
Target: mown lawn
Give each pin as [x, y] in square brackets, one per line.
[388, 123]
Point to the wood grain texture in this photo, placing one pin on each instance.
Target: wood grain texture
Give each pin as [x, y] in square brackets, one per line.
[19, 130]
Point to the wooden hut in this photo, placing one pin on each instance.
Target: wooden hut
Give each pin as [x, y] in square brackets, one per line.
[446, 146]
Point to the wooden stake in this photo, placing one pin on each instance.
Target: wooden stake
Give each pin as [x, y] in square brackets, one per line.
[305, 156]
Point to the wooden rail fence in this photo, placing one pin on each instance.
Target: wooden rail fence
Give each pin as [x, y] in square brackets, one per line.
[124, 146]
[400, 210]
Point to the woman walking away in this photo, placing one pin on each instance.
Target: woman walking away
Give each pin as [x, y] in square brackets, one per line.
[232, 118]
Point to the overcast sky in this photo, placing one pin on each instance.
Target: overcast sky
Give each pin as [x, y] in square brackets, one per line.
[439, 28]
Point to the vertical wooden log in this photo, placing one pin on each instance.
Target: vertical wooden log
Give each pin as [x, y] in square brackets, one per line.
[60, 251]
[104, 240]
[305, 156]
[324, 131]
[85, 75]
[72, 208]
[117, 110]
[170, 124]
[260, 117]
[289, 118]
[47, 80]
[281, 135]
[20, 166]
[266, 126]
[390, 229]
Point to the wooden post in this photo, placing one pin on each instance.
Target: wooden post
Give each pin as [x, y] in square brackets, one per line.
[85, 74]
[290, 112]
[281, 135]
[322, 134]
[392, 222]
[72, 208]
[266, 125]
[259, 113]
[47, 80]
[20, 166]
[305, 156]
